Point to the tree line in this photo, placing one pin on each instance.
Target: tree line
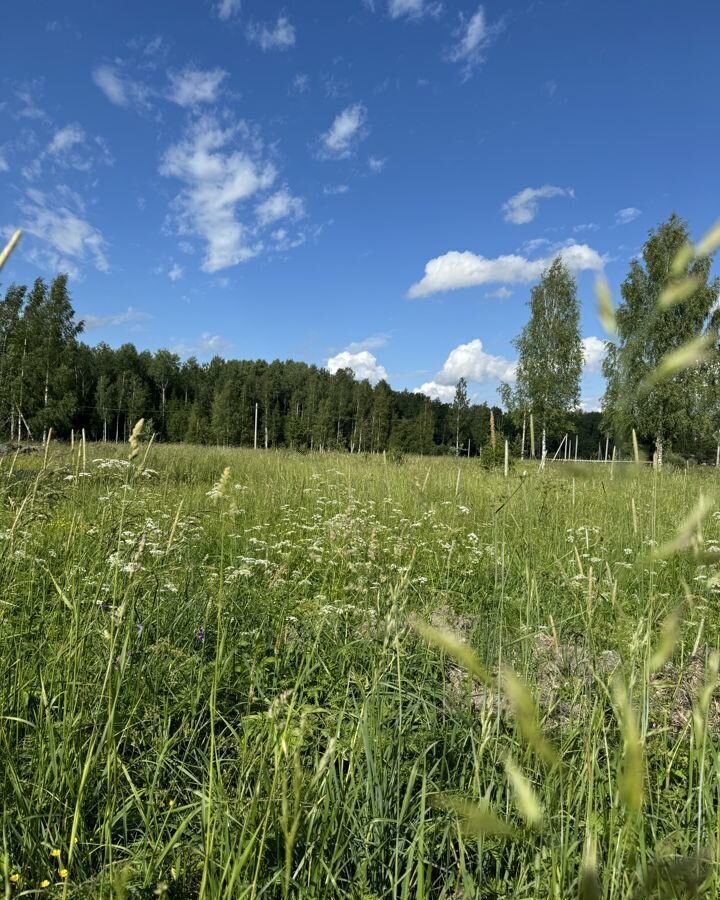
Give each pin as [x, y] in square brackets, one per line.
[51, 379]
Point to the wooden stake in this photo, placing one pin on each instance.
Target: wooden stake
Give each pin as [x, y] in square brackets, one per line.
[256, 424]
[507, 459]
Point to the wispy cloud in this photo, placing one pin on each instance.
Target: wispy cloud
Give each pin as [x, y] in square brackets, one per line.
[412, 9]
[227, 9]
[130, 315]
[206, 345]
[627, 215]
[175, 272]
[279, 36]
[331, 190]
[66, 138]
[456, 269]
[374, 342]
[472, 37]
[376, 164]
[191, 86]
[522, 207]
[346, 131]
[64, 239]
[217, 176]
[502, 293]
[120, 89]
[280, 205]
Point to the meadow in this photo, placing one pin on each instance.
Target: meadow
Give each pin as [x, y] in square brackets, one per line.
[228, 673]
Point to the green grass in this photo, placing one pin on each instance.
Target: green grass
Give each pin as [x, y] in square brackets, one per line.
[224, 695]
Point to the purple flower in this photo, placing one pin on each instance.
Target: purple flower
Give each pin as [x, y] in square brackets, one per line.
[140, 628]
[200, 634]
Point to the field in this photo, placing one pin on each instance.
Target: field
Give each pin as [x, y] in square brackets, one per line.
[217, 681]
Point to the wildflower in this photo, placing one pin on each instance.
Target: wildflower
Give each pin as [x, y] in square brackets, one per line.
[200, 634]
[55, 853]
[44, 883]
[63, 873]
[15, 877]
[171, 804]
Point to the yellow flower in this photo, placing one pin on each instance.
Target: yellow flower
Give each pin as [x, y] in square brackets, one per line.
[63, 873]
[171, 803]
[44, 883]
[55, 853]
[15, 877]
[75, 840]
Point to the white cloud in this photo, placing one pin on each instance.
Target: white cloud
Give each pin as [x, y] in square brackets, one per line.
[118, 88]
[193, 86]
[281, 205]
[472, 38]
[591, 404]
[4, 167]
[456, 269]
[216, 179]
[65, 239]
[331, 190]
[113, 321]
[502, 293]
[363, 364]
[206, 345]
[300, 84]
[594, 352]
[345, 132]
[376, 164]
[227, 9]
[370, 343]
[65, 139]
[523, 206]
[435, 391]
[471, 362]
[627, 215]
[277, 37]
[175, 273]
[413, 9]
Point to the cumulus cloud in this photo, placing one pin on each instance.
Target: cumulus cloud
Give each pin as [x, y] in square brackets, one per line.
[345, 133]
[65, 240]
[280, 205]
[227, 9]
[523, 206]
[627, 215]
[130, 315]
[472, 38]
[216, 178]
[457, 269]
[472, 362]
[279, 36]
[362, 362]
[194, 86]
[594, 352]
[65, 139]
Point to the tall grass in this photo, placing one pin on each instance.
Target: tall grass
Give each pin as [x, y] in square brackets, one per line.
[210, 683]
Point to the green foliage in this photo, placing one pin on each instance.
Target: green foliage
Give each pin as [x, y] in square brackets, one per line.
[654, 321]
[550, 354]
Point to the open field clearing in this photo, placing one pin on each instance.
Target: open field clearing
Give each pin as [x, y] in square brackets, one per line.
[211, 683]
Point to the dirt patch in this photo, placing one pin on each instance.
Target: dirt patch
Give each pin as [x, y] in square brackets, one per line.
[675, 691]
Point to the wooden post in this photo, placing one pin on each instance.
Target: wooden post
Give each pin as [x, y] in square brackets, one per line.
[256, 424]
[507, 459]
[576, 447]
[717, 457]
[84, 450]
[607, 445]
[522, 445]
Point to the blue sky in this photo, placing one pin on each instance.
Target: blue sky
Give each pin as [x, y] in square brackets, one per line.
[346, 182]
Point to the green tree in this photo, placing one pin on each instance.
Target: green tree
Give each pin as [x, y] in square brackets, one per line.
[646, 333]
[550, 354]
[460, 409]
